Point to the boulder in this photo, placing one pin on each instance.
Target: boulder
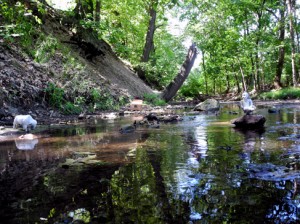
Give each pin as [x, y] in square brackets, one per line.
[208, 105]
[127, 128]
[249, 121]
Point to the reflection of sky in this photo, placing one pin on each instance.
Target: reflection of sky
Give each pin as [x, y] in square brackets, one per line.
[201, 137]
[187, 176]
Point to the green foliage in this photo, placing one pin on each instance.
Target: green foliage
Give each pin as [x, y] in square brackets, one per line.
[79, 100]
[88, 22]
[168, 57]
[102, 100]
[123, 28]
[282, 94]
[70, 108]
[154, 99]
[45, 48]
[18, 24]
[95, 95]
[232, 41]
[165, 62]
[193, 86]
[54, 95]
[97, 100]
[122, 100]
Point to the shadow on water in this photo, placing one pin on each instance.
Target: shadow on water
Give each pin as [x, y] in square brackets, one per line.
[199, 170]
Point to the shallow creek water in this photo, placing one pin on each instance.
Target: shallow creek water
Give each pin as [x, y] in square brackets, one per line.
[199, 170]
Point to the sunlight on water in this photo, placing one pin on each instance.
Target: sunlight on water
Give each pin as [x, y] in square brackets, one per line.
[200, 169]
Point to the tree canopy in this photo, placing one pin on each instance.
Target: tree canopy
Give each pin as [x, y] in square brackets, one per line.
[248, 45]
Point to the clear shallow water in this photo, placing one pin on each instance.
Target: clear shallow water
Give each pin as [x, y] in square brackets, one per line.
[200, 170]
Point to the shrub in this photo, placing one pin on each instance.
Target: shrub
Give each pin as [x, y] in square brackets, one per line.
[46, 48]
[70, 108]
[154, 99]
[103, 101]
[54, 95]
[19, 24]
[282, 94]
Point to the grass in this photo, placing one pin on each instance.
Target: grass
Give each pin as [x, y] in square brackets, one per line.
[154, 99]
[282, 94]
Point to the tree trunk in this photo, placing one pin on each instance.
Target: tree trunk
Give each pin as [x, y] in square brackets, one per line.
[243, 76]
[259, 14]
[205, 75]
[290, 5]
[281, 53]
[97, 11]
[297, 43]
[82, 8]
[186, 67]
[149, 43]
[214, 86]
[236, 80]
[78, 10]
[228, 84]
[256, 73]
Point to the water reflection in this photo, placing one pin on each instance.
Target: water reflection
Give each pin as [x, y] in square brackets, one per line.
[253, 141]
[200, 170]
[25, 143]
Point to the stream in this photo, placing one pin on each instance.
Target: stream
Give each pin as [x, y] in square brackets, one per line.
[198, 170]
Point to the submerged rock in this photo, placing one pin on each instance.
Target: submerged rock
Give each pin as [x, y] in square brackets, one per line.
[170, 118]
[272, 172]
[273, 110]
[127, 129]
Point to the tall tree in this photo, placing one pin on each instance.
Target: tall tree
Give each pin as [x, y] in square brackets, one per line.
[291, 5]
[281, 50]
[149, 43]
[97, 11]
[185, 69]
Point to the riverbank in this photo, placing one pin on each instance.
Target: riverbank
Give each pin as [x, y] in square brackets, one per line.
[52, 117]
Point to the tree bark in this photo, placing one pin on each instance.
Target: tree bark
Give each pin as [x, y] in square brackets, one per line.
[204, 72]
[78, 10]
[228, 84]
[297, 43]
[97, 10]
[243, 76]
[149, 43]
[236, 80]
[82, 8]
[185, 69]
[290, 5]
[281, 53]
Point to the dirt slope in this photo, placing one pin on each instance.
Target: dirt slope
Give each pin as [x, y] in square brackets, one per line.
[23, 80]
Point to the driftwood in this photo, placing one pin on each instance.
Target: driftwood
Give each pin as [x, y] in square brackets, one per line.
[249, 121]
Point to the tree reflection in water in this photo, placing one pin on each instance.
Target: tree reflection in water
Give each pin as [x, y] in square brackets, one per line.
[200, 170]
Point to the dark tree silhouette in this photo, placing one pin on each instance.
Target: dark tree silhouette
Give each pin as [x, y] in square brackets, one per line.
[183, 73]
